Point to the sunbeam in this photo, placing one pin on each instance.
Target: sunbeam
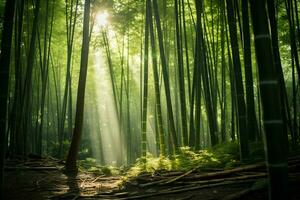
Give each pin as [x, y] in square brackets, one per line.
[109, 133]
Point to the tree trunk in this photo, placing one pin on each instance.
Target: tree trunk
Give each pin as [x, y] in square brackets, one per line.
[272, 116]
[285, 110]
[4, 79]
[70, 27]
[145, 84]
[165, 73]
[251, 118]
[73, 151]
[160, 129]
[239, 91]
[181, 74]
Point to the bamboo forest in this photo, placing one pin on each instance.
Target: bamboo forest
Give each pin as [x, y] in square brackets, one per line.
[149, 99]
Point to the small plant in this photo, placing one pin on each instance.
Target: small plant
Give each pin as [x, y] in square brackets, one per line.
[106, 171]
[221, 156]
[188, 159]
[227, 154]
[110, 170]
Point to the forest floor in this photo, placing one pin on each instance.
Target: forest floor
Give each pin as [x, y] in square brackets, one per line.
[38, 179]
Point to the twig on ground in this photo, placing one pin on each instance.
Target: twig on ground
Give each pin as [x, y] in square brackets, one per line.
[186, 189]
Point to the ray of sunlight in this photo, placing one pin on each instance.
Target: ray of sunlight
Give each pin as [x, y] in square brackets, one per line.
[109, 134]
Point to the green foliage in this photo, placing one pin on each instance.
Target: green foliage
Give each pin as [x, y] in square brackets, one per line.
[149, 164]
[221, 156]
[125, 37]
[224, 155]
[91, 165]
[188, 159]
[87, 163]
[227, 154]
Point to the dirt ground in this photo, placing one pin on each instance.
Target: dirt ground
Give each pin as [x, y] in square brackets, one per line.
[40, 179]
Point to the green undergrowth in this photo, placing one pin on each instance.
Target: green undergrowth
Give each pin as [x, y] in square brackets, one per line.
[217, 158]
[91, 165]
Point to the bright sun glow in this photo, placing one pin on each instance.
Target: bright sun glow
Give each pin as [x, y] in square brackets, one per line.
[102, 18]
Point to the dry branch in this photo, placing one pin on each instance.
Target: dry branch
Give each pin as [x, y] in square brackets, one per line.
[237, 178]
[31, 168]
[204, 176]
[179, 177]
[186, 189]
[227, 172]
